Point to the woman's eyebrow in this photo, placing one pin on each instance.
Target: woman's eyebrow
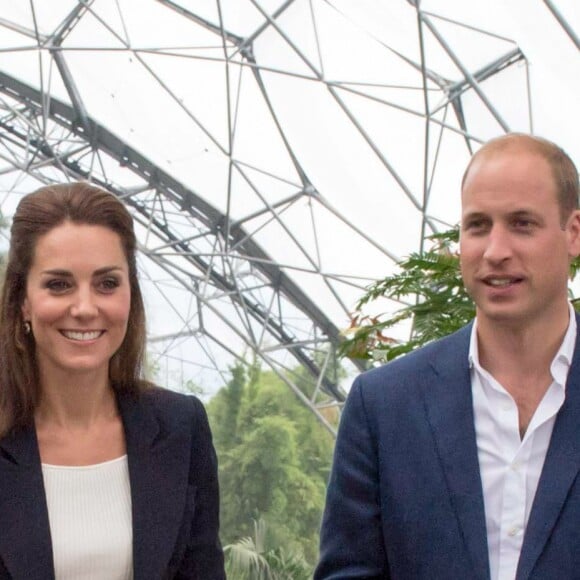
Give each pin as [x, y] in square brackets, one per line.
[67, 273]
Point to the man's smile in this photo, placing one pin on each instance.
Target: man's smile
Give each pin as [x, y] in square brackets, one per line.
[501, 281]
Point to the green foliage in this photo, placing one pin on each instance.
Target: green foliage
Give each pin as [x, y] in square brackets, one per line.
[152, 369]
[192, 387]
[251, 559]
[437, 302]
[274, 461]
[233, 399]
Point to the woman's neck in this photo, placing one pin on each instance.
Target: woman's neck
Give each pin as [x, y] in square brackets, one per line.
[75, 400]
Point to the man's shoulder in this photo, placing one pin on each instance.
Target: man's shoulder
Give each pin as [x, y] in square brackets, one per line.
[407, 368]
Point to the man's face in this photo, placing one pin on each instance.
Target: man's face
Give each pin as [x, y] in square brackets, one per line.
[515, 251]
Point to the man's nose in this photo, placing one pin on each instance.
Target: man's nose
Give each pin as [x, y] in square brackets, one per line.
[498, 246]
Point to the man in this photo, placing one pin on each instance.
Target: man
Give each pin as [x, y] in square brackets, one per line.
[462, 460]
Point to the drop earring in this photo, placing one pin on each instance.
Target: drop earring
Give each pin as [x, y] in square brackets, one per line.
[27, 327]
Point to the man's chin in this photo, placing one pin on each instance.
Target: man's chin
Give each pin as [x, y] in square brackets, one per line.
[503, 314]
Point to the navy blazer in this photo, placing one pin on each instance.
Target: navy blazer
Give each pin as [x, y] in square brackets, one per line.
[405, 500]
[174, 494]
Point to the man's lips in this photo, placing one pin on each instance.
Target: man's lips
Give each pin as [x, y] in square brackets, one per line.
[501, 281]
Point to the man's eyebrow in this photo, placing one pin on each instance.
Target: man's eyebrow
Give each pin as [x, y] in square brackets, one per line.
[474, 214]
[514, 213]
[524, 212]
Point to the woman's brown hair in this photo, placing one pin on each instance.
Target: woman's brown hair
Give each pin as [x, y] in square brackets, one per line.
[37, 214]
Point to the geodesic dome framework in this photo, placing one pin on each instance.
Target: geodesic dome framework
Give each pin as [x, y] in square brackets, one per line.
[277, 156]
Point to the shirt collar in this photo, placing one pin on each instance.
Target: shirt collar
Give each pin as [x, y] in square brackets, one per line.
[561, 362]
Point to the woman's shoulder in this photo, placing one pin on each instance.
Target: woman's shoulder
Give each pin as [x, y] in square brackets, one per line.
[173, 402]
[178, 413]
[168, 407]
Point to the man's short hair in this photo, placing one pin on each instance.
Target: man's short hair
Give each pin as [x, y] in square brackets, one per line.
[563, 169]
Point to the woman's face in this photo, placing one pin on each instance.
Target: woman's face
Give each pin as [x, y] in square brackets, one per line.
[77, 300]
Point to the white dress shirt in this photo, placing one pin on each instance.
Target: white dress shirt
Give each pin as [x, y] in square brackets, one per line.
[510, 467]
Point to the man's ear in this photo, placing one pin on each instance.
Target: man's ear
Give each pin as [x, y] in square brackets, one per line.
[573, 234]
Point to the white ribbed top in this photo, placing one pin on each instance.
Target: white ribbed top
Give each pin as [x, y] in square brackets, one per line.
[89, 509]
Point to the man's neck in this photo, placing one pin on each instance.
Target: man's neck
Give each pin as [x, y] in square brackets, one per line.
[505, 347]
[519, 358]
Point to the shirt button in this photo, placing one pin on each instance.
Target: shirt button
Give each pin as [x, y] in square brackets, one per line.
[516, 465]
[513, 531]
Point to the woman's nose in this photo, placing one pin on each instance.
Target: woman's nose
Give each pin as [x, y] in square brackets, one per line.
[84, 304]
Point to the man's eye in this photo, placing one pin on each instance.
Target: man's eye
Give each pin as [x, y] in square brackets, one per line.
[475, 225]
[523, 223]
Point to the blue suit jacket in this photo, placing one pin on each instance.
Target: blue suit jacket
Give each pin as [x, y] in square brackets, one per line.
[174, 494]
[405, 499]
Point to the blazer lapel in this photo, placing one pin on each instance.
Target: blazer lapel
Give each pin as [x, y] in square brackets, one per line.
[450, 412]
[559, 472]
[158, 471]
[25, 546]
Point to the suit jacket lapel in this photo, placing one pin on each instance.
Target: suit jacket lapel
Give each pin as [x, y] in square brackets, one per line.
[25, 546]
[450, 411]
[560, 469]
[158, 471]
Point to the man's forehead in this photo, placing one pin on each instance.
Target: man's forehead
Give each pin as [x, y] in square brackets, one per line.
[514, 168]
[507, 153]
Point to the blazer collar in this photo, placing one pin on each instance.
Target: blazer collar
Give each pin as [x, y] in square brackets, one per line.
[448, 399]
[559, 472]
[450, 412]
[159, 459]
[20, 447]
[25, 546]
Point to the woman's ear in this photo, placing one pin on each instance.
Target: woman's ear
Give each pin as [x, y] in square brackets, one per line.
[25, 309]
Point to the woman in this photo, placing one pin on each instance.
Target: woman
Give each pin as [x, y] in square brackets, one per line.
[102, 476]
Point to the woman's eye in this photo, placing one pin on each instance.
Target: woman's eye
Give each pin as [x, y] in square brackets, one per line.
[109, 284]
[57, 285]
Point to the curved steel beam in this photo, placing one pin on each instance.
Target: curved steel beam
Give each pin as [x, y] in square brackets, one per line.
[197, 208]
